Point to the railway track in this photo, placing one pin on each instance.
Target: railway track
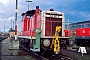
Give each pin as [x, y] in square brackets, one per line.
[47, 55]
[51, 56]
[33, 54]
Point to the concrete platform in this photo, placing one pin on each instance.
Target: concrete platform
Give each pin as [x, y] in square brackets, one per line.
[6, 54]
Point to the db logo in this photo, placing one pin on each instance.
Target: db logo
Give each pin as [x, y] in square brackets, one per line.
[83, 31]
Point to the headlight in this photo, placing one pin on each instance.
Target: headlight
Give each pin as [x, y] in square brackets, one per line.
[71, 42]
[38, 31]
[46, 42]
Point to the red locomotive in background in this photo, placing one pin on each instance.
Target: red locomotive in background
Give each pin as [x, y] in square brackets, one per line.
[82, 32]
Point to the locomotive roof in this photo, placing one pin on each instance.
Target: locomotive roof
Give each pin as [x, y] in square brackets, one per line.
[29, 12]
[82, 22]
[23, 14]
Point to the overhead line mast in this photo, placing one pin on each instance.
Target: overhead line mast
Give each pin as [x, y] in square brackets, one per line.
[16, 19]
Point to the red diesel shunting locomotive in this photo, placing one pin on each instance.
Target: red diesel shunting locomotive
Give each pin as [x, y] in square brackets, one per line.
[43, 29]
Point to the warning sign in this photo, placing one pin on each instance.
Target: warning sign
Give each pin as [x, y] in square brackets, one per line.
[82, 50]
